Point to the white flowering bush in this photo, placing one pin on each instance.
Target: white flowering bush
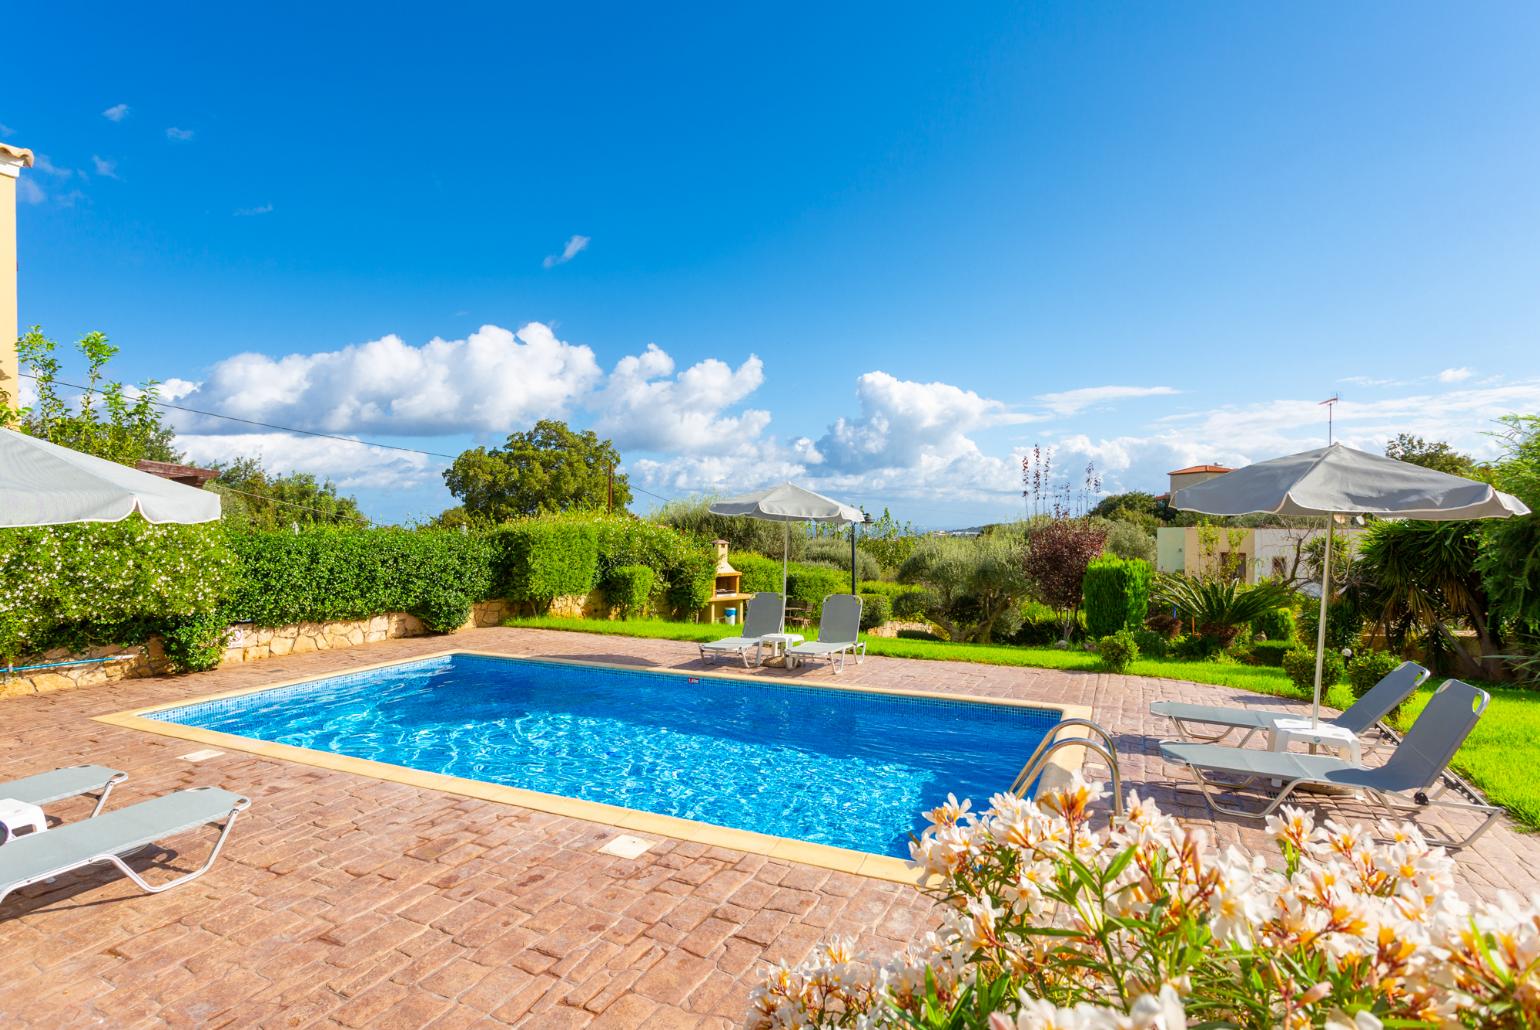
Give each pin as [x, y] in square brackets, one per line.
[105, 583]
[1048, 922]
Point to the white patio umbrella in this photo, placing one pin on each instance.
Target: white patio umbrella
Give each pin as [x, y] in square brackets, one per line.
[1338, 480]
[43, 484]
[787, 503]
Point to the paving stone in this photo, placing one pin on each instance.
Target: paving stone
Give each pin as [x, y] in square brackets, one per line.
[342, 900]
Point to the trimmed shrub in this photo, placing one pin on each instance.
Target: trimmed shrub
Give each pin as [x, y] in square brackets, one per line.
[194, 643]
[1152, 644]
[541, 559]
[908, 600]
[913, 603]
[1196, 647]
[1299, 663]
[628, 588]
[1270, 652]
[1116, 594]
[1367, 668]
[759, 573]
[1276, 625]
[1117, 651]
[683, 566]
[807, 586]
[875, 610]
[325, 574]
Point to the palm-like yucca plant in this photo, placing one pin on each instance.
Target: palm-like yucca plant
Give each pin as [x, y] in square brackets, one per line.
[1219, 608]
[1426, 573]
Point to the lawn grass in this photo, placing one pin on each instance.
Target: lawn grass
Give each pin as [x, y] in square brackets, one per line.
[1261, 679]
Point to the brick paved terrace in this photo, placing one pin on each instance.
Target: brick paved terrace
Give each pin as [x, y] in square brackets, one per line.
[343, 900]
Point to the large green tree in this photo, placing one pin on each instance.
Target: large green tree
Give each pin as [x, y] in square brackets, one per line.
[264, 500]
[1433, 454]
[102, 417]
[548, 469]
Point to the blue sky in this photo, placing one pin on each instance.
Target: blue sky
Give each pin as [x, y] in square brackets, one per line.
[878, 248]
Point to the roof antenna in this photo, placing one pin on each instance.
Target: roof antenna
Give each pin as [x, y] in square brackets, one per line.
[1329, 402]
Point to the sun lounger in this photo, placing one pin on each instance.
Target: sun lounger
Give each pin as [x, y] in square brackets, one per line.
[1363, 716]
[1401, 786]
[109, 836]
[762, 620]
[839, 628]
[46, 788]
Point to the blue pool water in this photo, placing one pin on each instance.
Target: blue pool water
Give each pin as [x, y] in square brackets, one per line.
[839, 767]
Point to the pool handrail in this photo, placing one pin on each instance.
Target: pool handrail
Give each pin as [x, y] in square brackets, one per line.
[1107, 749]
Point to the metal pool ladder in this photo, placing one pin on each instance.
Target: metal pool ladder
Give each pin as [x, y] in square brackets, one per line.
[1106, 748]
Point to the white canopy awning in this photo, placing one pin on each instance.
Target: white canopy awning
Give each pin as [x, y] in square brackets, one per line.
[1339, 480]
[788, 503]
[43, 484]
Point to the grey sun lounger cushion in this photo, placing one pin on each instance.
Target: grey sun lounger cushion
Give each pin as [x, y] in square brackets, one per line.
[40, 856]
[1415, 767]
[763, 618]
[839, 630]
[1381, 699]
[46, 788]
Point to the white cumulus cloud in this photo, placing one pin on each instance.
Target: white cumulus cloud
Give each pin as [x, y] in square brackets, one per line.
[1454, 375]
[903, 424]
[177, 135]
[491, 381]
[644, 406]
[352, 466]
[116, 113]
[105, 168]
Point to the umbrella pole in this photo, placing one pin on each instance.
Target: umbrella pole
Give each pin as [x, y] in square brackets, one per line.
[1320, 629]
[785, 550]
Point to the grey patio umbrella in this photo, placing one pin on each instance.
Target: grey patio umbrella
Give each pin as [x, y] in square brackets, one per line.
[43, 484]
[1338, 480]
[786, 504]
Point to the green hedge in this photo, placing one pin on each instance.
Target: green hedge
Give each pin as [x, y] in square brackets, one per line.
[1271, 652]
[328, 574]
[629, 587]
[875, 610]
[760, 574]
[115, 583]
[908, 600]
[807, 586]
[1116, 594]
[537, 560]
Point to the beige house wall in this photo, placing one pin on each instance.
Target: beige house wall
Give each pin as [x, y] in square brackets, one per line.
[8, 309]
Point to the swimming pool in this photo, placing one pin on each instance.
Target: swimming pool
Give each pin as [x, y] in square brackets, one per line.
[851, 769]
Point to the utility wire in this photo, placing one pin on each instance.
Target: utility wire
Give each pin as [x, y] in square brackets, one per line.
[302, 432]
[267, 425]
[224, 488]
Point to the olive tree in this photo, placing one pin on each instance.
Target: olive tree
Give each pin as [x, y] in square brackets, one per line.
[975, 582]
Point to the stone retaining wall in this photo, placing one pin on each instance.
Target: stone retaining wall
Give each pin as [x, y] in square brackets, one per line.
[248, 643]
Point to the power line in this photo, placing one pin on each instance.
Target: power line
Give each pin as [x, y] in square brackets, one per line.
[266, 425]
[302, 432]
[224, 488]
